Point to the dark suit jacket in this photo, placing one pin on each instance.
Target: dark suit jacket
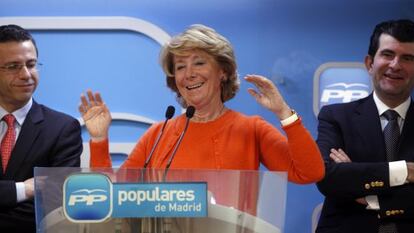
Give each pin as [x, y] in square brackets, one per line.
[355, 127]
[47, 139]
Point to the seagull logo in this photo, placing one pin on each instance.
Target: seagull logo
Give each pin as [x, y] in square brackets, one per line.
[89, 191]
[347, 85]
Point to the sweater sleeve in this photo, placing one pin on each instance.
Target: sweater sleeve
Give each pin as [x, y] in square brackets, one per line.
[99, 156]
[297, 153]
[137, 157]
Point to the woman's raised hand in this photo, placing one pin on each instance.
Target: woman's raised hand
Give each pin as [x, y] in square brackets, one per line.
[96, 115]
[268, 96]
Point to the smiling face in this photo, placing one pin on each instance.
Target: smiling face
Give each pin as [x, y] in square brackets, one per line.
[17, 87]
[198, 79]
[392, 70]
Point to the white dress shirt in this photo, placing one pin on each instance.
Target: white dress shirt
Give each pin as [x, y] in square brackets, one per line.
[397, 169]
[20, 116]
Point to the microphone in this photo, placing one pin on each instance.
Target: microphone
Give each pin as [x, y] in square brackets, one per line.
[168, 115]
[189, 114]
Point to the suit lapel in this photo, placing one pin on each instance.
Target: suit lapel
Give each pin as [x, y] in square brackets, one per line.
[368, 125]
[407, 136]
[28, 134]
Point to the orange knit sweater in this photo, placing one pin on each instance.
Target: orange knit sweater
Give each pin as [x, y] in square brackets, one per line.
[233, 141]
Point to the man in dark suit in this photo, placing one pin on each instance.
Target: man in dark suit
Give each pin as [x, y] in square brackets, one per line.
[36, 136]
[364, 190]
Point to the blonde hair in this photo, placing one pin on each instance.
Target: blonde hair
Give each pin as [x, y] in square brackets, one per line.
[200, 37]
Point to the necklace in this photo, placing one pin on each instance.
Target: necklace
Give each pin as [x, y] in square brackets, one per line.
[207, 119]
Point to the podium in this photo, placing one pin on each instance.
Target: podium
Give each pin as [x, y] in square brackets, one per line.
[237, 201]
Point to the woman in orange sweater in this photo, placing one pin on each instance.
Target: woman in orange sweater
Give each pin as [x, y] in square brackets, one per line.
[200, 68]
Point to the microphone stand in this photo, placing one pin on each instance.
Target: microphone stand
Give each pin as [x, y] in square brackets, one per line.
[146, 225]
[169, 113]
[189, 114]
[166, 222]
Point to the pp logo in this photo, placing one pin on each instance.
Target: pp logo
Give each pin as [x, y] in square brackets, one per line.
[87, 197]
[343, 93]
[339, 83]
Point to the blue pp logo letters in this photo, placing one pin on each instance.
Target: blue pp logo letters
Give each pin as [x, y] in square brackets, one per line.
[87, 197]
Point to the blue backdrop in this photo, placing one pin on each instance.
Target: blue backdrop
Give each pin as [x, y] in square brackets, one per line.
[282, 39]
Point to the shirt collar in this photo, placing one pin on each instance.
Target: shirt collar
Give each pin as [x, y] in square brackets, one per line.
[20, 114]
[401, 109]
